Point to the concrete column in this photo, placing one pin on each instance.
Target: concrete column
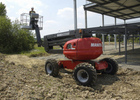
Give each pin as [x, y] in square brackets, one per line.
[103, 21]
[115, 41]
[124, 21]
[124, 39]
[126, 44]
[139, 38]
[109, 38]
[115, 21]
[133, 43]
[75, 15]
[103, 42]
[124, 34]
[119, 44]
[85, 18]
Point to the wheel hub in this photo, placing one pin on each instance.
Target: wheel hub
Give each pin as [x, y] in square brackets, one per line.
[82, 76]
[109, 68]
[49, 68]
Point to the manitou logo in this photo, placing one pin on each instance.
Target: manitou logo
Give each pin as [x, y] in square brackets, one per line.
[96, 45]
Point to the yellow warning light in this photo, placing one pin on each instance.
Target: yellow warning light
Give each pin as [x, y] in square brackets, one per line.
[80, 31]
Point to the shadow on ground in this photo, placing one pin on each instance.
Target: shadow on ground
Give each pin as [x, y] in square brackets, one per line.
[102, 79]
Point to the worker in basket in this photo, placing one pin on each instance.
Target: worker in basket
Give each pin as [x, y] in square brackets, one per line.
[31, 19]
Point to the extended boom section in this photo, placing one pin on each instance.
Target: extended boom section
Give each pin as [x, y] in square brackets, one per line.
[54, 43]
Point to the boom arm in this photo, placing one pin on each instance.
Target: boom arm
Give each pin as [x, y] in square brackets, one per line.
[39, 41]
[33, 23]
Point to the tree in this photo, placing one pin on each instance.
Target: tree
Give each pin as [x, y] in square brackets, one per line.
[5, 33]
[24, 39]
[12, 38]
[2, 9]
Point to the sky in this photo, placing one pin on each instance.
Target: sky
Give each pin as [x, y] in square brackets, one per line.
[58, 15]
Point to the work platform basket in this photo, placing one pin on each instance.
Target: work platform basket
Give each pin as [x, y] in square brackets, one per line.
[25, 21]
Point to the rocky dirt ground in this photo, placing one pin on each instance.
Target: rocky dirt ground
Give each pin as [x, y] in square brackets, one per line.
[24, 78]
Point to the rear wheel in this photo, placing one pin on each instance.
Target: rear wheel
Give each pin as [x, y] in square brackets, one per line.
[85, 74]
[112, 66]
[51, 67]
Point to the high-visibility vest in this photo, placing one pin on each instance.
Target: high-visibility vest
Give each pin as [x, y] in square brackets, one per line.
[31, 12]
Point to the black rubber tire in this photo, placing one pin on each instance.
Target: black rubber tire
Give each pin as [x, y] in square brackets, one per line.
[51, 67]
[88, 70]
[112, 66]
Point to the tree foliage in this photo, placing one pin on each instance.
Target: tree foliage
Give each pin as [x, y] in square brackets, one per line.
[2, 9]
[12, 38]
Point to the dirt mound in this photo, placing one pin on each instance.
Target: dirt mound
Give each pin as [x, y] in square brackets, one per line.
[23, 61]
[19, 81]
[39, 55]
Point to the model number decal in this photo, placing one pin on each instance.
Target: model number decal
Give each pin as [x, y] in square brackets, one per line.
[62, 34]
[96, 45]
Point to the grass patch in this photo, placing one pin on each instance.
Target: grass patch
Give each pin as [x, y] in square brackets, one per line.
[37, 51]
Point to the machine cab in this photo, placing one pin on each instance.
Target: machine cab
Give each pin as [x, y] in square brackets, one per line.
[83, 48]
[70, 49]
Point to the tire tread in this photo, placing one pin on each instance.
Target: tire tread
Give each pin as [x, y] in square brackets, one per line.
[54, 63]
[90, 68]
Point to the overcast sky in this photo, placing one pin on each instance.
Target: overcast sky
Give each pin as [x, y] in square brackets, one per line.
[57, 14]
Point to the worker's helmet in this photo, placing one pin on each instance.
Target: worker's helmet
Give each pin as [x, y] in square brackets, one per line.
[32, 8]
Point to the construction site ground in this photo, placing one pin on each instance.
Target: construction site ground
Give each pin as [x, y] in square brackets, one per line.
[24, 78]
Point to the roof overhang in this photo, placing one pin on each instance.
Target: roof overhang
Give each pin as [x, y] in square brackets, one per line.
[122, 9]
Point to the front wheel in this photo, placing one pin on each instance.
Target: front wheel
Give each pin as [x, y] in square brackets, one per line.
[51, 67]
[85, 74]
[112, 66]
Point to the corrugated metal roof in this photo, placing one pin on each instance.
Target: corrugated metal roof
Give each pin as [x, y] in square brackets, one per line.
[123, 9]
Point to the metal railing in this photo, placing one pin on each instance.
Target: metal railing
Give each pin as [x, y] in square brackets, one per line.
[25, 20]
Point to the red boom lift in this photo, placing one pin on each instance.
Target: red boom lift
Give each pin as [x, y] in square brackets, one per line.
[80, 51]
